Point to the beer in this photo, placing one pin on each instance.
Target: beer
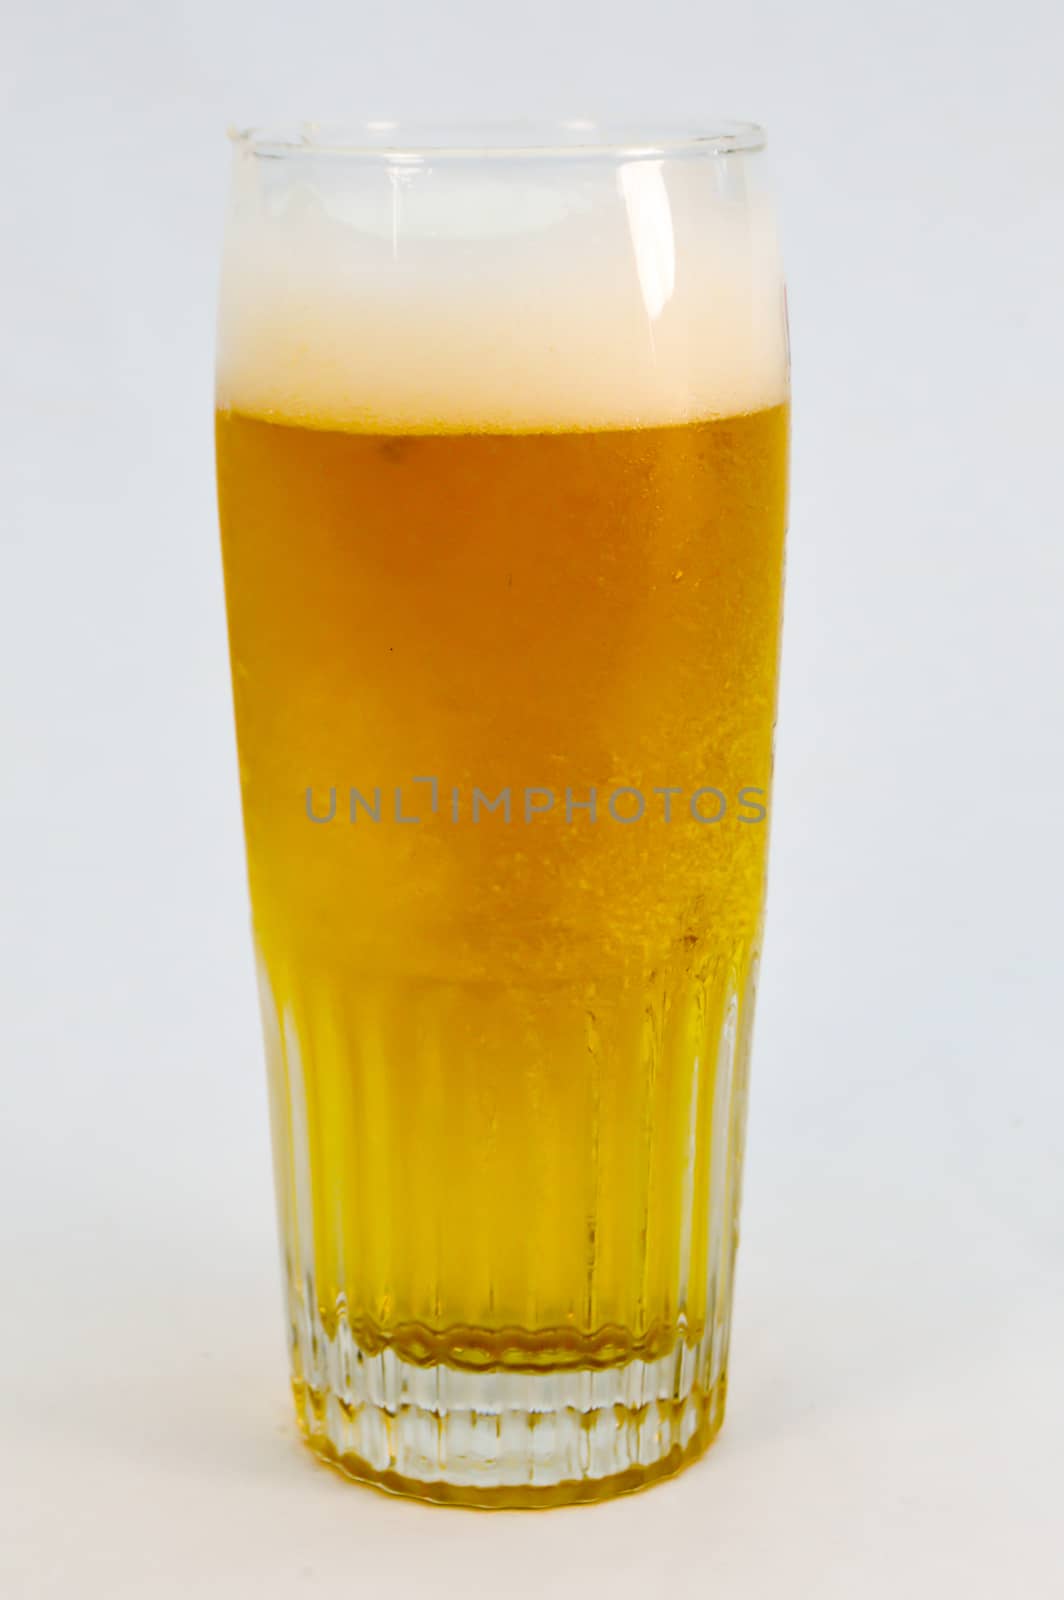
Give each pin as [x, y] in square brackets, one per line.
[505, 693]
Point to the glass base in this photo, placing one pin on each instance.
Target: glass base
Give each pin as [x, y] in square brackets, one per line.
[513, 1439]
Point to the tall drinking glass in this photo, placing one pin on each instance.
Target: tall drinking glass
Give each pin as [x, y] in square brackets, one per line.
[502, 455]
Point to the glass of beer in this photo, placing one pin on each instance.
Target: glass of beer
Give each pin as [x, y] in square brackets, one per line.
[502, 424]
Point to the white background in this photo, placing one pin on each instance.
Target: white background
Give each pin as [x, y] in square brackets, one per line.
[895, 1415]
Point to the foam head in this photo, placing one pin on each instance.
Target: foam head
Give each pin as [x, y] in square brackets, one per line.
[441, 293]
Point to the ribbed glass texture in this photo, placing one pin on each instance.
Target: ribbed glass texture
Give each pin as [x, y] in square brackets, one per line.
[544, 1385]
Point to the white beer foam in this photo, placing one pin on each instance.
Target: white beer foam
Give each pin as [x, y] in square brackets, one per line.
[407, 298]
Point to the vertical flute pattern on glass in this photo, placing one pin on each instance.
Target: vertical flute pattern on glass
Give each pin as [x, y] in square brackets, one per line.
[629, 1375]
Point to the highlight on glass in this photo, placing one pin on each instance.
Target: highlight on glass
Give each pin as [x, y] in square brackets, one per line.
[502, 431]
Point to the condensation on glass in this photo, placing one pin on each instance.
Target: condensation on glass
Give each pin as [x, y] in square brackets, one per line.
[502, 442]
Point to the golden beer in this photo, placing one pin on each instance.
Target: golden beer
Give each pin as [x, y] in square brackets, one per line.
[505, 700]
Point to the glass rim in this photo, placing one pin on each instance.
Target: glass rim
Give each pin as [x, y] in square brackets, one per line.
[582, 138]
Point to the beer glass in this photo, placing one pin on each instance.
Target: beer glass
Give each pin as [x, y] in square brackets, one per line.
[502, 450]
